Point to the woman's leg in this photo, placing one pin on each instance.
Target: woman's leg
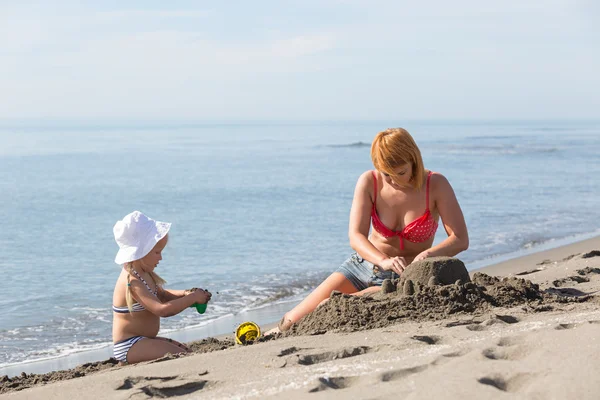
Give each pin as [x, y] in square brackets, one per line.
[368, 290]
[150, 349]
[336, 281]
[363, 292]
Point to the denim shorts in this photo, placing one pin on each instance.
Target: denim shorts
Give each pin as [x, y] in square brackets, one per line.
[360, 273]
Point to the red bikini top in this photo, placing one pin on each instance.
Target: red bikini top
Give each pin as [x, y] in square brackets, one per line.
[417, 231]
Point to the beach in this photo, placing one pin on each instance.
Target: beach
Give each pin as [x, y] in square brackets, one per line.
[534, 340]
[265, 137]
[282, 232]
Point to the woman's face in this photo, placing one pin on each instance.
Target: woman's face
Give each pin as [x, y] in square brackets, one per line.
[401, 176]
[151, 260]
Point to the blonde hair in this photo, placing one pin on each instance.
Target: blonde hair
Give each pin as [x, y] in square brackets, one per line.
[128, 296]
[395, 147]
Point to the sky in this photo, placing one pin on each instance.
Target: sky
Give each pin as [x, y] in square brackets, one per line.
[299, 60]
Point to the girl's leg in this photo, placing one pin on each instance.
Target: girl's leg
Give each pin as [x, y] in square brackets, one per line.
[150, 349]
[175, 342]
[336, 281]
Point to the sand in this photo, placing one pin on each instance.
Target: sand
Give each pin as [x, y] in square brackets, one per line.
[526, 328]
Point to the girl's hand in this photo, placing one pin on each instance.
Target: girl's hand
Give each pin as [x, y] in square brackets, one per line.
[396, 264]
[201, 296]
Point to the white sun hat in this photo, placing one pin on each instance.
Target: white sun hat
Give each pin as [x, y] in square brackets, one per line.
[136, 235]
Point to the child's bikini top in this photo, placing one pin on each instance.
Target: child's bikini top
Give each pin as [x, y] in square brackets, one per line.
[417, 231]
[136, 306]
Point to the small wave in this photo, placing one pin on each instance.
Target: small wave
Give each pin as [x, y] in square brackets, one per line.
[557, 129]
[355, 144]
[53, 353]
[534, 243]
[499, 149]
[494, 137]
[281, 294]
[190, 326]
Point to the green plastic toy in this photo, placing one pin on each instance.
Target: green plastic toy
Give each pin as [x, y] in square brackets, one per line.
[201, 308]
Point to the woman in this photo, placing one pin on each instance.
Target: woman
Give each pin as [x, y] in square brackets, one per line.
[403, 202]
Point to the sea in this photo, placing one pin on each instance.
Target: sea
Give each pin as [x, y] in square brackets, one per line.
[259, 213]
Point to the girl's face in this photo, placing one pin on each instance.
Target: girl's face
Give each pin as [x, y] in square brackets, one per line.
[401, 176]
[151, 260]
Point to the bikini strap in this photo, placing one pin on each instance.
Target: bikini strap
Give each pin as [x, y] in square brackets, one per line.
[144, 281]
[374, 188]
[427, 195]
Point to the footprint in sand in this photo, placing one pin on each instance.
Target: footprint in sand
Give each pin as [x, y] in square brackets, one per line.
[511, 385]
[509, 319]
[461, 323]
[506, 353]
[533, 271]
[561, 327]
[401, 373]
[427, 339]
[458, 353]
[326, 383]
[145, 385]
[495, 354]
[129, 383]
[289, 350]
[281, 363]
[495, 319]
[476, 327]
[508, 341]
[311, 359]
[444, 358]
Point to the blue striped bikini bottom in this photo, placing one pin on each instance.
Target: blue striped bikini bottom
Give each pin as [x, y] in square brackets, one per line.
[122, 348]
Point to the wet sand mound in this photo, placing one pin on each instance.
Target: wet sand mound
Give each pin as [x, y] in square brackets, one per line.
[436, 271]
[405, 299]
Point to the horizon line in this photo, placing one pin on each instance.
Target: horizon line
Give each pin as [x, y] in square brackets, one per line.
[119, 121]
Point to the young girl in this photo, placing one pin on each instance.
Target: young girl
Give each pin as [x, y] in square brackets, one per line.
[403, 202]
[139, 299]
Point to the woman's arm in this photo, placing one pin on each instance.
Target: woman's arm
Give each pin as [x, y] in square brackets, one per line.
[360, 221]
[452, 218]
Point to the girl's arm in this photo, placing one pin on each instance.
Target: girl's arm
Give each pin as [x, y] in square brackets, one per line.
[452, 218]
[166, 295]
[168, 308]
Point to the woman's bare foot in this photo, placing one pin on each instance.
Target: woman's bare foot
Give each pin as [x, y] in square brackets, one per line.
[284, 324]
[281, 327]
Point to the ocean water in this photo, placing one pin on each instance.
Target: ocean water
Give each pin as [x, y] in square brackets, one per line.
[259, 210]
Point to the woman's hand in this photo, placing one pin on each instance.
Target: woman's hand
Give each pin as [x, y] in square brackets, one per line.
[396, 264]
[201, 296]
[421, 256]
